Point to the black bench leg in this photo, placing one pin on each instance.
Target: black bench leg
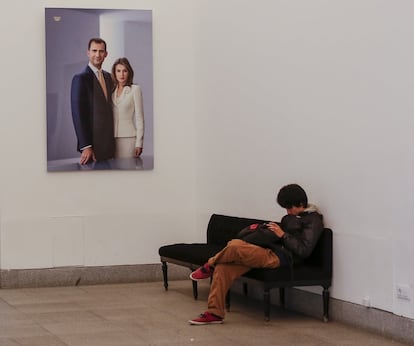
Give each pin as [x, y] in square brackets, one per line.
[325, 296]
[282, 296]
[195, 289]
[228, 300]
[165, 274]
[266, 300]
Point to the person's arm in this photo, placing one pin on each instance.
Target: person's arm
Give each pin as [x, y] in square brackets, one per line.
[80, 112]
[302, 243]
[139, 119]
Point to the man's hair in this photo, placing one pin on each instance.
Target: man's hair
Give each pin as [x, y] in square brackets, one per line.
[124, 62]
[96, 40]
[292, 195]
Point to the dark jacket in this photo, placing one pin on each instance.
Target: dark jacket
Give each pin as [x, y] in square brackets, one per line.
[92, 114]
[302, 233]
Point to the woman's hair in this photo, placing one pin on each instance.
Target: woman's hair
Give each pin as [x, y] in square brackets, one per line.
[124, 62]
[292, 195]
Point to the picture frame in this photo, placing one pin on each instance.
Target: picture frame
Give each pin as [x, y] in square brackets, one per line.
[127, 33]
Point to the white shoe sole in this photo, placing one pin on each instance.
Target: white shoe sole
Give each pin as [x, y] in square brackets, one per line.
[195, 323]
[191, 277]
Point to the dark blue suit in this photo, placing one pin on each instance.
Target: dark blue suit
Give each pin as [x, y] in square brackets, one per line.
[92, 114]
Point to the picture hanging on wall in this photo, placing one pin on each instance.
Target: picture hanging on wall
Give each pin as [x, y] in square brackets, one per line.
[99, 89]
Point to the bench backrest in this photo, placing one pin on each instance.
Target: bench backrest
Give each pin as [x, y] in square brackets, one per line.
[222, 228]
[322, 254]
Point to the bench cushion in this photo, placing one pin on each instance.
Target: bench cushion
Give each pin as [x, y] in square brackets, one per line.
[195, 253]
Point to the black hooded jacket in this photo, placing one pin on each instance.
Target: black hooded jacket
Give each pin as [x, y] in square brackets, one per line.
[302, 233]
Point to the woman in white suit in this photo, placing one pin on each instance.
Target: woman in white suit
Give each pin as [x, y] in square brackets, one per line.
[128, 111]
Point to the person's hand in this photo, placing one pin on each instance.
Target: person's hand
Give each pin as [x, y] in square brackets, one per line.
[275, 228]
[86, 156]
[138, 151]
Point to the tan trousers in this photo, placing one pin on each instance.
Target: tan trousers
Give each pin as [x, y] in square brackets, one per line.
[237, 258]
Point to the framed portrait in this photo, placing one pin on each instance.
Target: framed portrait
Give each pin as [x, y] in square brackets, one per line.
[99, 89]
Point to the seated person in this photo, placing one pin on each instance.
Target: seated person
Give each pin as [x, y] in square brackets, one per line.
[268, 245]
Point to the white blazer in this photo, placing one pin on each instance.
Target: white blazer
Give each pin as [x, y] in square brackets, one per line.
[129, 114]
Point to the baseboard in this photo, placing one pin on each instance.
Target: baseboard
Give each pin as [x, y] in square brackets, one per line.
[73, 276]
[378, 321]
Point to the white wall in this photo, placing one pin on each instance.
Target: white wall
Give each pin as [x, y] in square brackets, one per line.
[248, 96]
[93, 218]
[320, 93]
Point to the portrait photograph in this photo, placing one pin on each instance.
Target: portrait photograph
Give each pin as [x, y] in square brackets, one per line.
[99, 89]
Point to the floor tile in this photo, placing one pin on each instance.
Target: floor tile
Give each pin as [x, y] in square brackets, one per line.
[147, 314]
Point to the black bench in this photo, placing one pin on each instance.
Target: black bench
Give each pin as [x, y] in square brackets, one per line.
[316, 270]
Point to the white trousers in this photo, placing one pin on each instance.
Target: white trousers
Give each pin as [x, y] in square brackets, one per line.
[125, 147]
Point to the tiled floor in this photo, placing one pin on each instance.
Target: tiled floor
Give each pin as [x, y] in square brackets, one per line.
[145, 314]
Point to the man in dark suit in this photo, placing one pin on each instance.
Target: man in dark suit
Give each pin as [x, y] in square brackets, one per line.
[91, 104]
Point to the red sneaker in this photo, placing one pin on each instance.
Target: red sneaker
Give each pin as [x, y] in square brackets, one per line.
[206, 318]
[203, 272]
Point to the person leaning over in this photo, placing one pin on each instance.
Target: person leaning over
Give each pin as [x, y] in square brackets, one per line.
[268, 245]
